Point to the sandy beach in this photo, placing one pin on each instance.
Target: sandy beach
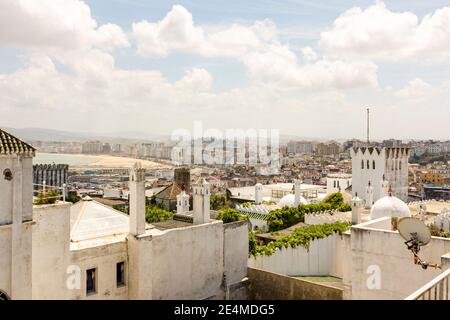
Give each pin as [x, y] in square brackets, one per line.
[98, 161]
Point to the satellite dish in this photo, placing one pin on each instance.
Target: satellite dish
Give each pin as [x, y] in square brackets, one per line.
[410, 228]
[416, 234]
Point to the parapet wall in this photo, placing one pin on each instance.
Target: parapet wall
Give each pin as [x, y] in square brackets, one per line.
[266, 285]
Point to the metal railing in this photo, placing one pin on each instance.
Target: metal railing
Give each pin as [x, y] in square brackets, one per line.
[436, 289]
[43, 191]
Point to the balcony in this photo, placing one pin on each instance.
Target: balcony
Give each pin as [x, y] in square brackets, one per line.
[436, 289]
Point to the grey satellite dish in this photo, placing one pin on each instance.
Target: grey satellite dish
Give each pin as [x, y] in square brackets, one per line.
[416, 234]
[410, 228]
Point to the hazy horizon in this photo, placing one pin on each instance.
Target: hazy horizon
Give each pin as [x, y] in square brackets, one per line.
[308, 69]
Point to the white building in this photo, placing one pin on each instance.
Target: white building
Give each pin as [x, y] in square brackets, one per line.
[338, 182]
[91, 251]
[377, 165]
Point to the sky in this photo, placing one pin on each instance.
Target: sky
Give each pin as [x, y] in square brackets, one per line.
[307, 68]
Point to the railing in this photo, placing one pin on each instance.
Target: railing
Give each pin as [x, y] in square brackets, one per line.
[436, 289]
[44, 191]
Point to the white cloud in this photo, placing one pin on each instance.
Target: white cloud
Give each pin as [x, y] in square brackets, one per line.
[417, 89]
[381, 34]
[309, 54]
[257, 46]
[196, 80]
[61, 24]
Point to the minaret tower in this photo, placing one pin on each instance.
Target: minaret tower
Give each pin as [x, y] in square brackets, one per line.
[201, 193]
[137, 199]
[16, 216]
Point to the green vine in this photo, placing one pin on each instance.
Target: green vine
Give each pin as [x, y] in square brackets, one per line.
[299, 237]
[285, 217]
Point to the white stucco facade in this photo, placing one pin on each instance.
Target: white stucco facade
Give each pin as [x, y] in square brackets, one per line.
[91, 251]
[372, 163]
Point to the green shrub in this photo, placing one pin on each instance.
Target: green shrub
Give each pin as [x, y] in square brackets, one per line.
[285, 217]
[230, 215]
[47, 197]
[154, 213]
[299, 237]
[219, 201]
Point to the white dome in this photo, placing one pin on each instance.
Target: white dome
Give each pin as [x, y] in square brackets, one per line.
[389, 206]
[289, 200]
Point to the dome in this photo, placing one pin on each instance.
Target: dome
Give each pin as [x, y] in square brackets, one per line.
[389, 206]
[289, 200]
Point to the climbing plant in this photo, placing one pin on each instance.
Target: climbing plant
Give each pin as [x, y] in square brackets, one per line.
[299, 237]
[285, 217]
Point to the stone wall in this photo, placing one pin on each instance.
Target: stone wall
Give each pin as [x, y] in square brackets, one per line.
[266, 285]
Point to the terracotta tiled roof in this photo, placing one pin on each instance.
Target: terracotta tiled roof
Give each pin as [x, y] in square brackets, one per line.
[169, 193]
[9, 144]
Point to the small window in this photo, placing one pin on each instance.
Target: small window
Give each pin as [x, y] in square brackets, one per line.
[120, 274]
[373, 164]
[400, 165]
[338, 184]
[91, 282]
[368, 164]
[362, 164]
[334, 184]
[7, 174]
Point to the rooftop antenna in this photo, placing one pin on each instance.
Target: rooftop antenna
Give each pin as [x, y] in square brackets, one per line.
[416, 234]
[368, 126]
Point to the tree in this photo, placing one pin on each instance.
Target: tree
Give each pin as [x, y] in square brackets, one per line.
[219, 201]
[228, 215]
[154, 213]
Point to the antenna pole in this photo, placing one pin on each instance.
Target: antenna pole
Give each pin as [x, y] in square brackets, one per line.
[368, 126]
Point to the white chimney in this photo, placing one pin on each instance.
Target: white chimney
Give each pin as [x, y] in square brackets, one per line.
[182, 202]
[369, 196]
[297, 187]
[357, 204]
[384, 187]
[201, 195]
[137, 199]
[258, 193]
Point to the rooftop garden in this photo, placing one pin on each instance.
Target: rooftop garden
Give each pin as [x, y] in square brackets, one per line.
[229, 215]
[299, 237]
[285, 217]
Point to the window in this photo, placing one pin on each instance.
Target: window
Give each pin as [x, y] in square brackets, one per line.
[362, 164]
[7, 174]
[368, 164]
[91, 282]
[373, 164]
[334, 183]
[400, 165]
[120, 274]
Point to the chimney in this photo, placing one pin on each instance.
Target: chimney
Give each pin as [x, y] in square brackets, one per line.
[137, 199]
[297, 187]
[369, 195]
[201, 194]
[258, 193]
[356, 209]
[182, 202]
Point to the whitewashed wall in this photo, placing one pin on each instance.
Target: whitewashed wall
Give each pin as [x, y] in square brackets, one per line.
[373, 248]
[321, 218]
[323, 258]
